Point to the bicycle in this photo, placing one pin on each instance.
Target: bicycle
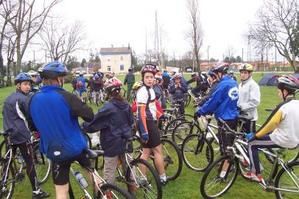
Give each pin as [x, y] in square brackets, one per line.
[41, 163]
[139, 176]
[222, 173]
[173, 161]
[99, 187]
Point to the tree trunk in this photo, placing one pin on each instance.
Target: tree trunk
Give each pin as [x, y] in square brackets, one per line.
[2, 74]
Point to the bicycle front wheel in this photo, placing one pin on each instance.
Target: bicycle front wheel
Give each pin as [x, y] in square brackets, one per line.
[173, 162]
[219, 177]
[145, 178]
[288, 181]
[197, 152]
[7, 180]
[112, 191]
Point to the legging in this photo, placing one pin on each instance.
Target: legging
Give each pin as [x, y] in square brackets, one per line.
[264, 142]
[26, 151]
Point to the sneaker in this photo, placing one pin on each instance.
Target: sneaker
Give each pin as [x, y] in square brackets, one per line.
[39, 194]
[257, 178]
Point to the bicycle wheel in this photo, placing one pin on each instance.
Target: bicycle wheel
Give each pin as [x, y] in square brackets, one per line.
[288, 181]
[42, 165]
[219, 177]
[88, 140]
[148, 184]
[112, 191]
[169, 124]
[173, 162]
[182, 130]
[7, 180]
[197, 152]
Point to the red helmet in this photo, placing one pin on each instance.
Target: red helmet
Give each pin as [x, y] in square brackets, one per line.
[288, 82]
[112, 84]
[149, 68]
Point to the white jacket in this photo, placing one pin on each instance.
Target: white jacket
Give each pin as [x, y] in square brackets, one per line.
[249, 98]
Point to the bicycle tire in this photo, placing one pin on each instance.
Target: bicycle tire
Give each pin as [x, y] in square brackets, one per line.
[192, 150]
[88, 140]
[291, 169]
[146, 183]
[114, 192]
[182, 130]
[42, 165]
[233, 167]
[173, 162]
[4, 194]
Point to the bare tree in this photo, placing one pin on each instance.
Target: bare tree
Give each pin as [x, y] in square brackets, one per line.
[30, 17]
[195, 33]
[61, 42]
[277, 25]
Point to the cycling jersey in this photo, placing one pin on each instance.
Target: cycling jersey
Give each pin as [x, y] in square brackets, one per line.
[55, 114]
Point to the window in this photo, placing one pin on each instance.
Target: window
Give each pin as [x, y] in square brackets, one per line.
[121, 67]
[109, 68]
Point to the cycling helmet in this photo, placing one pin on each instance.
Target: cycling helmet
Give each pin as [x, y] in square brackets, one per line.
[32, 73]
[53, 70]
[137, 85]
[109, 75]
[22, 77]
[246, 67]
[96, 76]
[221, 68]
[112, 84]
[177, 75]
[288, 82]
[149, 68]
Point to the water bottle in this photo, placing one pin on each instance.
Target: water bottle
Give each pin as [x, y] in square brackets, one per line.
[82, 181]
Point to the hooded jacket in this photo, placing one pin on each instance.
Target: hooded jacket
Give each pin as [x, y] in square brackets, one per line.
[114, 120]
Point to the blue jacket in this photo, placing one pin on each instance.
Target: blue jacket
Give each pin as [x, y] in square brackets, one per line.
[15, 120]
[178, 93]
[223, 101]
[55, 112]
[115, 120]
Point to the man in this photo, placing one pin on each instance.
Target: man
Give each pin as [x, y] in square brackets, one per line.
[249, 97]
[202, 84]
[222, 103]
[55, 113]
[17, 124]
[129, 81]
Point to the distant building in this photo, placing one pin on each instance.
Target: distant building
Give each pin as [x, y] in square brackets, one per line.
[117, 60]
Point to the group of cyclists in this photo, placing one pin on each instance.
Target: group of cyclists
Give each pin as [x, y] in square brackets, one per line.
[54, 113]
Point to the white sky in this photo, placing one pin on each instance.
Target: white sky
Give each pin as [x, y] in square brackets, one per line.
[119, 22]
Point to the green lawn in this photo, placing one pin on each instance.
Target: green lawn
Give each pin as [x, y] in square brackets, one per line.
[187, 185]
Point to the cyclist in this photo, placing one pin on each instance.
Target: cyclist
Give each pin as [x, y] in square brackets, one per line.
[81, 85]
[115, 120]
[249, 97]
[36, 80]
[17, 124]
[55, 113]
[281, 128]
[159, 90]
[129, 81]
[96, 86]
[222, 103]
[202, 84]
[177, 88]
[147, 117]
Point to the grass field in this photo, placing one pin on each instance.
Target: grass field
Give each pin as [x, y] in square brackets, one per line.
[187, 185]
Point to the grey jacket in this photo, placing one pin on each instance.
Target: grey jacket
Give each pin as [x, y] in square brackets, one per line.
[249, 98]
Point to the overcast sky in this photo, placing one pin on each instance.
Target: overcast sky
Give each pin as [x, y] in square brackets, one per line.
[123, 22]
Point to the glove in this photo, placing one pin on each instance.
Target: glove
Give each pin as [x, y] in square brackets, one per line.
[144, 137]
[250, 136]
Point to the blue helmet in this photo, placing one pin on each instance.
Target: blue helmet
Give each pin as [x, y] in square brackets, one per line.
[53, 70]
[22, 77]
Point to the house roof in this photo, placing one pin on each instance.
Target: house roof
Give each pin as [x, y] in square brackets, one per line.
[113, 51]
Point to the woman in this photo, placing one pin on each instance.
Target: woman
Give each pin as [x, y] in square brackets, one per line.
[147, 116]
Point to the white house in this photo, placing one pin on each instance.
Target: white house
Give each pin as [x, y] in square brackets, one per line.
[117, 60]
